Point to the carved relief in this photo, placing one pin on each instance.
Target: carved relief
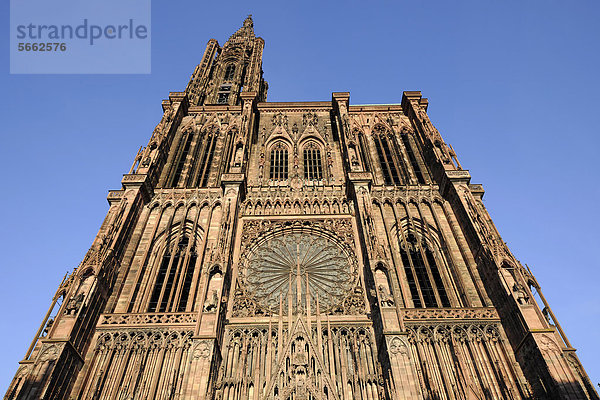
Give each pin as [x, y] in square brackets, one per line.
[49, 352]
[548, 344]
[202, 349]
[74, 304]
[165, 122]
[245, 306]
[354, 304]
[327, 201]
[520, 294]
[310, 119]
[147, 319]
[419, 314]
[280, 119]
[212, 295]
[397, 345]
[383, 288]
[341, 229]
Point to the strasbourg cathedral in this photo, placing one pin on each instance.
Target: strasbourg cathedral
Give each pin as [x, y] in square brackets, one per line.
[302, 250]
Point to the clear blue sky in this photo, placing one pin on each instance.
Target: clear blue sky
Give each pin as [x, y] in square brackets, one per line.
[513, 86]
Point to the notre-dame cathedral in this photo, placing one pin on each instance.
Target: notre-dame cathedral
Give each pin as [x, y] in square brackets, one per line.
[304, 250]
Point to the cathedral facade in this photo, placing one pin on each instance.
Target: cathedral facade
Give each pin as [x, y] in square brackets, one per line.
[304, 250]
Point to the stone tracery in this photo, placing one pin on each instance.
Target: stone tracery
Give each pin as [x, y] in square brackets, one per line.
[283, 265]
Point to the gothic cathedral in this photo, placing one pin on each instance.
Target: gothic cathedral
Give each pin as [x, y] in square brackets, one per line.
[305, 251]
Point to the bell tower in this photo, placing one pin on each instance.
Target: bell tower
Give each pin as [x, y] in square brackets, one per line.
[225, 72]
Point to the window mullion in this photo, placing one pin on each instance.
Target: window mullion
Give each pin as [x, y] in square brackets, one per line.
[430, 275]
[285, 164]
[385, 151]
[391, 154]
[277, 165]
[180, 278]
[411, 266]
[173, 255]
[403, 170]
[319, 165]
[311, 165]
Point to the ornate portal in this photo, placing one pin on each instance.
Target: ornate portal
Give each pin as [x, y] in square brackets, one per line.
[280, 267]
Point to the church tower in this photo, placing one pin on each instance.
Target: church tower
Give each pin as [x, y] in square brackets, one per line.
[304, 250]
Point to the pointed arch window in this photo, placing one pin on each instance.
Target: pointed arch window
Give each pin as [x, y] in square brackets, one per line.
[363, 153]
[207, 152]
[183, 151]
[229, 72]
[223, 93]
[389, 159]
[279, 162]
[422, 273]
[313, 168]
[174, 278]
[412, 158]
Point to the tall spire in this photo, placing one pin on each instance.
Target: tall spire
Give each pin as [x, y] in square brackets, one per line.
[225, 72]
[244, 33]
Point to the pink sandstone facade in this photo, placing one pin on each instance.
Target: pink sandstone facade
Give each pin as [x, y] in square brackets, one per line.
[307, 250]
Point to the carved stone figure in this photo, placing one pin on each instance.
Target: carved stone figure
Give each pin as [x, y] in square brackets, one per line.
[48, 327]
[520, 293]
[546, 315]
[211, 303]
[239, 155]
[353, 157]
[74, 304]
[386, 298]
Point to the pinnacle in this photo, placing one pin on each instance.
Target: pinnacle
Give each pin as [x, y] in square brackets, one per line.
[246, 31]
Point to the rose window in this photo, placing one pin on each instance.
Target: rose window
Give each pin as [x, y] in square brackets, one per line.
[280, 268]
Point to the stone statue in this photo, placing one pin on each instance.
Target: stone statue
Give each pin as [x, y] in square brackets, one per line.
[386, 298]
[211, 304]
[48, 326]
[353, 158]
[520, 293]
[546, 315]
[239, 154]
[74, 304]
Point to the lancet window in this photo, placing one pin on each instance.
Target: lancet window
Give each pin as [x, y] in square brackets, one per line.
[183, 151]
[229, 72]
[206, 152]
[412, 158]
[422, 270]
[174, 277]
[389, 157]
[382, 283]
[363, 153]
[193, 158]
[313, 169]
[223, 94]
[279, 162]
